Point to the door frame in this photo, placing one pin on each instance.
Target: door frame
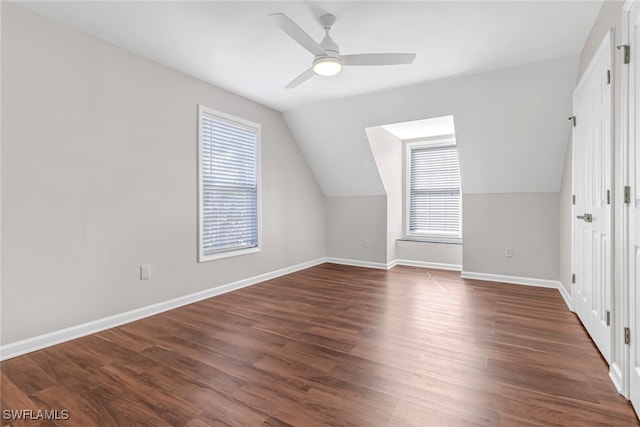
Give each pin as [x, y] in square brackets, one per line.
[627, 309]
[607, 41]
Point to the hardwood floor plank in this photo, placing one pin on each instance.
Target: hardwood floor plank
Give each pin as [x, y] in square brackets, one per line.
[11, 396]
[197, 423]
[333, 345]
[81, 411]
[410, 414]
[153, 393]
[181, 370]
[27, 374]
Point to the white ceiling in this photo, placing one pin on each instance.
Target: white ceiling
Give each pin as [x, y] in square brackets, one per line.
[234, 45]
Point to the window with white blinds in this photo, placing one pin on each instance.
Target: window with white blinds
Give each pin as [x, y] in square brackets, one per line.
[434, 197]
[229, 185]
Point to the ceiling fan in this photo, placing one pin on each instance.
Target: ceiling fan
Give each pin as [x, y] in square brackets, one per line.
[327, 60]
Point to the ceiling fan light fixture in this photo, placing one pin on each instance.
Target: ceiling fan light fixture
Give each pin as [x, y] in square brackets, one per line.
[327, 60]
[327, 66]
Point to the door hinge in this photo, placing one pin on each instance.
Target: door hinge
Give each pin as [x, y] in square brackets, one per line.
[627, 336]
[627, 52]
[573, 199]
[573, 278]
[573, 118]
[608, 318]
[627, 194]
[608, 77]
[608, 197]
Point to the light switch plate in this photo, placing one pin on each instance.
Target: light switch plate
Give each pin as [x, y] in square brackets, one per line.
[145, 272]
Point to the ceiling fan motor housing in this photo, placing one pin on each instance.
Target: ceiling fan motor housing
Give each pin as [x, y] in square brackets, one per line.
[327, 21]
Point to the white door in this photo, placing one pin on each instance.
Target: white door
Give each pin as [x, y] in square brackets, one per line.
[592, 170]
[634, 205]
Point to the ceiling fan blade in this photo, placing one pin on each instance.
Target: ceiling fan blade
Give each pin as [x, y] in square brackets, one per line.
[378, 59]
[297, 33]
[300, 79]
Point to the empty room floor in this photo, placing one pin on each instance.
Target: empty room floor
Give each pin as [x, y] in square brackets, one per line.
[333, 345]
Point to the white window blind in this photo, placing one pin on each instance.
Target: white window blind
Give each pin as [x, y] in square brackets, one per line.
[434, 191]
[229, 197]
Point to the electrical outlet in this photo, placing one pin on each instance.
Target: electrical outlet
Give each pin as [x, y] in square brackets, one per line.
[508, 252]
[366, 243]
[145, 272]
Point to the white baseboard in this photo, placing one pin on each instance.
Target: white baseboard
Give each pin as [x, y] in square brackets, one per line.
[424, 264]
[391, 264]
[515, 280]
[28, 345]
[566, 296]
[527, 281]
[357, 263]
[615, 373]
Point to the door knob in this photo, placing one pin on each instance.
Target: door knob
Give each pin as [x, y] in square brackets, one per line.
[586, 217]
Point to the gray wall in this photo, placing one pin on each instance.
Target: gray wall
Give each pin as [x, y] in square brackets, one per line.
[610, 17]
[351, 221]
[427, 252]
[526, 222]
[387, 152]
[99, 176]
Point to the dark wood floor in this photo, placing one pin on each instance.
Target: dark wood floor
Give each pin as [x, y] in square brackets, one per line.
[333, 345]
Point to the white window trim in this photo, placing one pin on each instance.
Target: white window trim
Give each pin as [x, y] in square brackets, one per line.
[425, 237]
[231, 253]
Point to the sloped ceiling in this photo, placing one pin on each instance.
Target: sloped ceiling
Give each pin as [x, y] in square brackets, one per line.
[511, 129]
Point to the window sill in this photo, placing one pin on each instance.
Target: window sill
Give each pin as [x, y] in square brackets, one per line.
[229, 254]
[441, 240]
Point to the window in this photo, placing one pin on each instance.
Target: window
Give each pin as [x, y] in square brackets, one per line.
[229, 191]
[433, 191]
